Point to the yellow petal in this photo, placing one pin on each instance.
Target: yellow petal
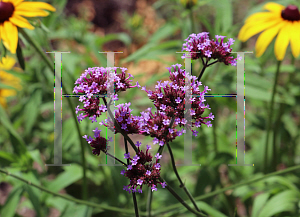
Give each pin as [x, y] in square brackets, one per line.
[265, 38]
[35, 6]
[274, 7]
[7, 63]
[3, 33]
[261, 16]
[295, 38]
[12, 36]
[252, 28]
[20, 21]
[16, 2]
[31, 13]
[8, 92]
[282, 41]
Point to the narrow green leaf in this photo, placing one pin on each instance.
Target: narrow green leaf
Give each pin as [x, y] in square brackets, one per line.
[10, 206]
[3, 50]
[20, 56]
[259, 202]
[71, 174]
[165, 31]
[210, 210]
[34, 198]
[19, 146]
[31, 110]
[282, 202]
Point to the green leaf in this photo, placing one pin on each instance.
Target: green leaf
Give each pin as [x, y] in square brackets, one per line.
[19, 146]
[34, 198]
[78, 210]
[210, 210]
[3, 50]
[290, 125]
[20, 56]
[10, 206]
[282, 202]
[164, 32]
[259, 202]
[223, 16]
[31, 110]
[71, 174]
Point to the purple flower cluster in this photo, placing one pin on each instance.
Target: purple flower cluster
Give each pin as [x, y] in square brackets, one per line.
[169, 100]
[142, 171]
[98, 143]
[128, 123]
[157, 125]
[209, 49]
[95, 81]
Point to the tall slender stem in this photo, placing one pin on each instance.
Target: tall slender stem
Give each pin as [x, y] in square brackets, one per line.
[133, 193]
[160, 150]
[203, 69]
[269, 123]
[171, 190]
[149, 201]
[82, 146]
[179, 179]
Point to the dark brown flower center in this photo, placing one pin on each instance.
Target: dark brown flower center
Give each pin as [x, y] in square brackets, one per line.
[6, 11]
[290, 13]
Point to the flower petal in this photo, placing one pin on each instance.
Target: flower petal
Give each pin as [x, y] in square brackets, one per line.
[20, 21]
[295, 38]
[11, 32]
[282, 41]
[253, 28]
[274, 7]
[3, 33]
[262, 16]
[16, 2]
[265, 39]
[6, 63]
[29, 6]
[31, 13]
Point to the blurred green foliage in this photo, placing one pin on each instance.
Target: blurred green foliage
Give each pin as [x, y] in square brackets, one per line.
[27, 126]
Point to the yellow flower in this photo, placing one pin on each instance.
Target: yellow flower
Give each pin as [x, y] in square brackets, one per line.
[11, 12]
[284, 21]
[8, 79]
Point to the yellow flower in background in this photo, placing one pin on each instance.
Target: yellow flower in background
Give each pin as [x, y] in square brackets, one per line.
[11, 17]
[284, 21]
[8, 79]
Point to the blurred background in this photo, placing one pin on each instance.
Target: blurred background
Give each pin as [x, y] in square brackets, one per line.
[149, 33]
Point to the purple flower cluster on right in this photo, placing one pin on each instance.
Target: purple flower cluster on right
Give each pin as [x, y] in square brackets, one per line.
[209, 49]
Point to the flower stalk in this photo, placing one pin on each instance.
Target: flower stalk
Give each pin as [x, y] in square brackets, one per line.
[136, 210]
[269, 123]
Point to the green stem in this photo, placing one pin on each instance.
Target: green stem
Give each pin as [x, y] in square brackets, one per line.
[133, 193]
[51, 67]
[214, 193]
[203, 69]
[179, 179]
[160, 150]
[149, 201]
[69, 198]
[269, 123]
[175, 206]
[171, 190]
